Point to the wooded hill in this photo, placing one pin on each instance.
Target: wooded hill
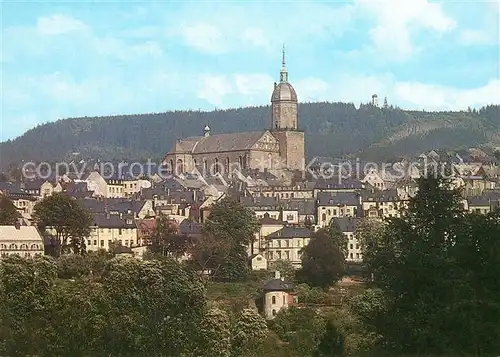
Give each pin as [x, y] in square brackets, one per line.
[332, 129]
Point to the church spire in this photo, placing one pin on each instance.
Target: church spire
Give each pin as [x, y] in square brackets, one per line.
[283, 72]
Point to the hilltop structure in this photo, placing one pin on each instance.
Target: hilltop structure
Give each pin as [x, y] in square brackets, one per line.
[279, 149]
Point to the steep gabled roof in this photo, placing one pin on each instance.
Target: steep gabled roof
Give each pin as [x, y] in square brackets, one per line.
[221, 142]
[291, 232]
[277, 285]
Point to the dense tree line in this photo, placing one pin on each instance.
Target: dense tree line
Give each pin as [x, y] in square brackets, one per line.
[435, 271]
[329, 129]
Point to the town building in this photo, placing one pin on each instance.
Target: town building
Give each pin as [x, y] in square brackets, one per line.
[25, 241]
[278, 295]
[278, 149]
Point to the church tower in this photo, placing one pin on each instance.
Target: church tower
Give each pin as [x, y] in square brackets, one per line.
[285, 122]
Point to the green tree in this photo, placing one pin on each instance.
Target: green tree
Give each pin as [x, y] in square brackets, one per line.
[332, 342]
[152, 298]
[430, 273]
[70, 266]
[249, 332]
[215, 334]
[322, 261]
[475, 317]
[164, 240]
[25, 285]
[301, 328]
[230, 227]
[286, 269]
[8, 212]
[67, 222]
[339, 238]
[76, 320]
[370, 234]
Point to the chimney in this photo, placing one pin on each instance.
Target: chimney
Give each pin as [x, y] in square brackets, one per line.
[121, 215]
[107, 215]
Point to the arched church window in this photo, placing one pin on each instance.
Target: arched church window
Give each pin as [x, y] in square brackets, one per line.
[323, 217]
[241, 162]
[180, 167]
[227, 164]
[171, 168]
[205, 167]
[216, 166]
[273, 300]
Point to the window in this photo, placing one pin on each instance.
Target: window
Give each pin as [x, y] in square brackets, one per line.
[329, 212]
[334, 212]
[179, 167]
[102, 243]
[351, 246]
[284, 300]
[273, 300]
[357, 246]
[216, 166]
[95, 241]
[119, 231]
[12, 247]
[274, 312]
[357, 255]
[350, 255]
[289, 217]
[323, 217]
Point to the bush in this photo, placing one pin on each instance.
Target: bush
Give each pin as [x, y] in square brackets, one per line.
[71, 266]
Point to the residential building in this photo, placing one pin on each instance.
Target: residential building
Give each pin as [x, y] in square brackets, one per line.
[347, 226]
[337, 204]
[25, 241]
[108, 229]
[278, 295]
[286, 244]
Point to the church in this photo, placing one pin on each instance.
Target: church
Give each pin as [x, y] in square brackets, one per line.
[278, 149]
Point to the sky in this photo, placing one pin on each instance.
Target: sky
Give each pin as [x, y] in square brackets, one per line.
[64, 59]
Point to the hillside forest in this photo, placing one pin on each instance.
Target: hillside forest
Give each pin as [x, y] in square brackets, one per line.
[379, 132]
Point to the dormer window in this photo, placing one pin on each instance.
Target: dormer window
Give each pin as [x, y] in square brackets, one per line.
[129, 221]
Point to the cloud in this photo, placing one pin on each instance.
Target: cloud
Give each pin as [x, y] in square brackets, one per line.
[213, 88]
[203, 37]
[396, 21]
[116, 48]
[311, 89]
[433, 96]
[256, 36]
[472, 37]
[58, 25]
[253, 84]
